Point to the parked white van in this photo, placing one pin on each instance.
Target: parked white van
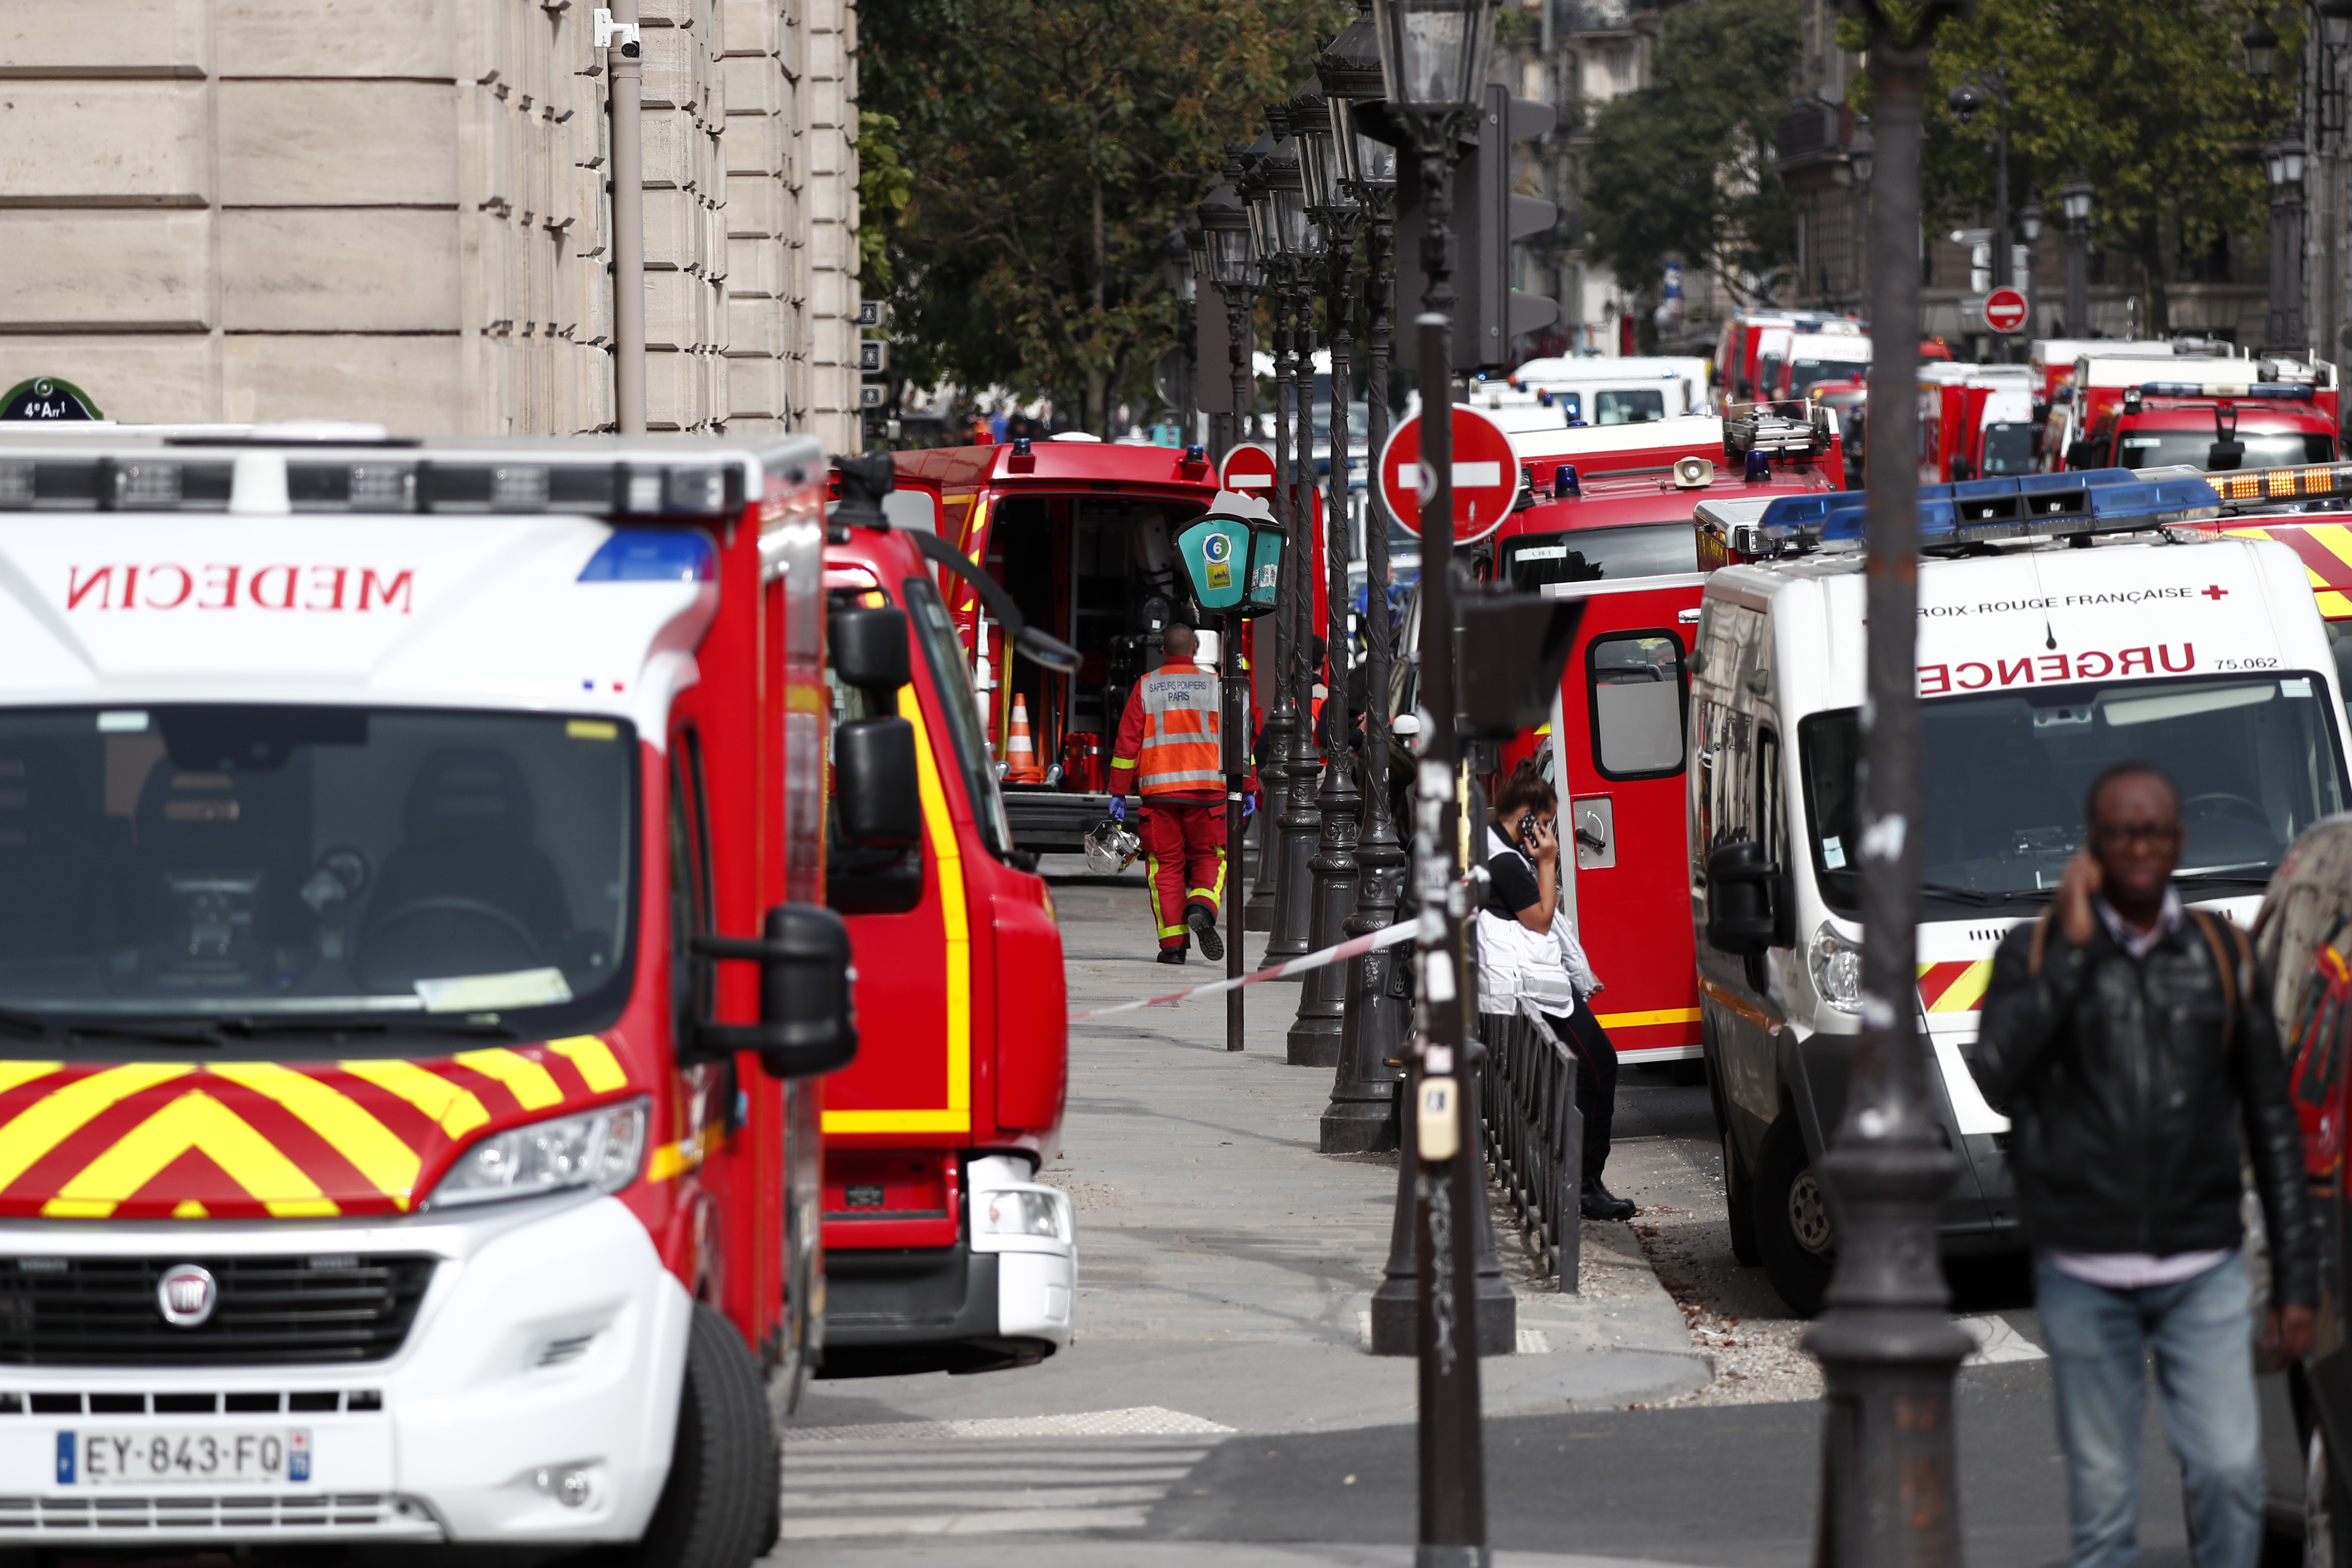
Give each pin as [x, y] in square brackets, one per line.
[2038, 666]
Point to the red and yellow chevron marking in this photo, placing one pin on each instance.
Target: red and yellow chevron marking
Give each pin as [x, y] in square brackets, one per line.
[1957, 987]
[269, 1140]
[2325, 550]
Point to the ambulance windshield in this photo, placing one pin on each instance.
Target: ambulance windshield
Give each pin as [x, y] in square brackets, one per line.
[2264, 448]
[408, 868]
[2005, 774]
[1807, 371]
[1598, 554]
[2008, 449]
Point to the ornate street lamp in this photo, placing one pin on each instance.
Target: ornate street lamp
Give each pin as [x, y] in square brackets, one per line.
[2261, 43]
[1433, 56]
[1981, 88]
[1176, 265]
[2283, 161]
[2029, 223]
[1362, 1115]
[1232, 268]
[1314, 1036]
[1888, 1351]
[2075, 201]
[1291, 759]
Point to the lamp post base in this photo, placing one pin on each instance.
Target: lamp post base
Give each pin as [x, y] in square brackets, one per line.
[1396, 1305]
[1480, 1556]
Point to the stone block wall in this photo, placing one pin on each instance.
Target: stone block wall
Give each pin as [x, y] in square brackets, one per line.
[273, 209]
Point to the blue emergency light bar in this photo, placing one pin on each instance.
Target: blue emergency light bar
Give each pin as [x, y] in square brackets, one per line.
[2031, 506]
[2282, 390]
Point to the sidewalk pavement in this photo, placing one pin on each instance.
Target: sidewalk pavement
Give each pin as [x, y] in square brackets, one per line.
[1225, 1276]
[1225, 1267]
[1173, 1554]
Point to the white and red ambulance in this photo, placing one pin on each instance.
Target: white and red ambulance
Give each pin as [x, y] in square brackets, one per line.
[2066, 622]
[415, 867]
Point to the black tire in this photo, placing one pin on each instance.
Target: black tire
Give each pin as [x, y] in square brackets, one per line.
[725, 1477]
[1739, 1186]
[1792, 1228]
[1739, 1201]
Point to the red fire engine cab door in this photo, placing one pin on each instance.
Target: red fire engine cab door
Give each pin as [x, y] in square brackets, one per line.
[1618, 760]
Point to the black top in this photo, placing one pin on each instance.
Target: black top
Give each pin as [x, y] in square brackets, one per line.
[2136, 1086]
[1511, 884]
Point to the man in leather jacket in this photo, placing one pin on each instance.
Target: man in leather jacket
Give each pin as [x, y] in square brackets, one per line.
[2128, 1041]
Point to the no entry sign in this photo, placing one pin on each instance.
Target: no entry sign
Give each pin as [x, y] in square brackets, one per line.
[2004, 310]
[1249, 468]
[1485, 475]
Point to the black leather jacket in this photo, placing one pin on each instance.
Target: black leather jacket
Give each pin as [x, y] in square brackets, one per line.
[2127, 1089]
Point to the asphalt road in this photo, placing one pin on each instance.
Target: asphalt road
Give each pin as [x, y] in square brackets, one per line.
[1732, 1486]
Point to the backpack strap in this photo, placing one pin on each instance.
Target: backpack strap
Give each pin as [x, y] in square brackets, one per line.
[2222, 963]
[2040, 941]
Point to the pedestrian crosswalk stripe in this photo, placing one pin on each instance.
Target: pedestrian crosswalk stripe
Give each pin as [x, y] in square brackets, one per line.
[839, 1487]
[1138, 1421]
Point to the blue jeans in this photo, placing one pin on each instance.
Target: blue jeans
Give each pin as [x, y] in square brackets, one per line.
[2098, 1344]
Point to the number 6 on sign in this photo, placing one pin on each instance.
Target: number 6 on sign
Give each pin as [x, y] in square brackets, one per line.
[1485, 475]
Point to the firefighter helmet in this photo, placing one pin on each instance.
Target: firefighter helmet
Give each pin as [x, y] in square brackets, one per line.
[1111, 847]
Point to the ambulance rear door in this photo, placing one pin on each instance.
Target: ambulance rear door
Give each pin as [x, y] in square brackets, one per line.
[1618, 761]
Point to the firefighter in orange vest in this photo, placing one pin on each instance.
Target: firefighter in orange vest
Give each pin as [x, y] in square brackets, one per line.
[1168, 747]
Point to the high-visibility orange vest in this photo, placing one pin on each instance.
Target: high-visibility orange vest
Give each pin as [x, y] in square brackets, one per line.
[1180, 749]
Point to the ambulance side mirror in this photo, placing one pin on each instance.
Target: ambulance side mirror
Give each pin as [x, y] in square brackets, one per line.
[875, 793]
[869, 648]
[808, 1020]
[1743, 900]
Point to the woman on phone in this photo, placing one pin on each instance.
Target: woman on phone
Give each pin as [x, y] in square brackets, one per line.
[1527, 948]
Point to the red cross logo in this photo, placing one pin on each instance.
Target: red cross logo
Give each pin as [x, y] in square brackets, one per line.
[2217, 591]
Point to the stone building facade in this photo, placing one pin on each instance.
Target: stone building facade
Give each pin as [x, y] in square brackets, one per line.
[277, 209]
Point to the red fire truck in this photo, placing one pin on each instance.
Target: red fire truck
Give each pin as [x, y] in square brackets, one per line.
[1975, 421]
[1615, 529]
[1081, 535]
[1753, 354]
[943, 1251]
[416, 856]
[2204, 413]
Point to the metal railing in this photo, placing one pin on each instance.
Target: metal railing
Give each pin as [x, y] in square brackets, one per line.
[1535, 1134]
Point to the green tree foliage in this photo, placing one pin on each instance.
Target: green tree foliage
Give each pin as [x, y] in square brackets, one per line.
[1050, 145]
[1684, 169]
[2149, 96]
[884, 184]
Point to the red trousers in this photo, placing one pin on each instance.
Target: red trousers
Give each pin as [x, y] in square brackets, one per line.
[1185, 861]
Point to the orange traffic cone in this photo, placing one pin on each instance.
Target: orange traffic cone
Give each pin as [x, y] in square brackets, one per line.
[1020, 751]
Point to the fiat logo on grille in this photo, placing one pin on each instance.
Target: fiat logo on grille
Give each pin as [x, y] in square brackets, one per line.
[187, 1293]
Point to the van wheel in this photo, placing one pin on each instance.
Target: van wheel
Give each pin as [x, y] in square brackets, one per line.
[1738, 1187]
[1792, 1218]
[725, 1480]
[1739, 1201]
[2325, 1543]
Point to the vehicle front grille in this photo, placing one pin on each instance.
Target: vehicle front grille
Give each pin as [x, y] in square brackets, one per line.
[228, 1516]
[272, 1311]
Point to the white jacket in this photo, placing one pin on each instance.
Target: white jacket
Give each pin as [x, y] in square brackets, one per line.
[1512, 958]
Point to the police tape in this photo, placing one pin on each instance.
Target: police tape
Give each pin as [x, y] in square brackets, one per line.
[1354, 947]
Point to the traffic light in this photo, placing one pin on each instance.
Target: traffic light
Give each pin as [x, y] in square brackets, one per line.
[1488, 313]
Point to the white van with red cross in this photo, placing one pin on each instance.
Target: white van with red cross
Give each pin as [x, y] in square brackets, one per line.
[2066, 622]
